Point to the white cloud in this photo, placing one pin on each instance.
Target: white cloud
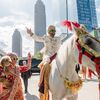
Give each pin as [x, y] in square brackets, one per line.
[5, 37]
[16, 14]
[28, 45]
[9, 23]
[98, 15]
[17, 18]
[20, 14]
[2, 44]
[98, 9]
[96, 0]
[15, 3]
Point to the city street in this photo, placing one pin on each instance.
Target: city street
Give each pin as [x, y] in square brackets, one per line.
[89, 90]
[40, 34]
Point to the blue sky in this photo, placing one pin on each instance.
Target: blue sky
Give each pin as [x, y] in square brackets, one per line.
[20, 13]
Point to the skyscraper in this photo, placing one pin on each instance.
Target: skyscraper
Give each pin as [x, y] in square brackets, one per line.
[39, 23]
[17, 43]
[87, 13]
[82, 11]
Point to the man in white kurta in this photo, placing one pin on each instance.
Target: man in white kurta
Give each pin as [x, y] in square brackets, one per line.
[51, 45]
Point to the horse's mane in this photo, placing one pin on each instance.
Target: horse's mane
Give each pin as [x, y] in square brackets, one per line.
[67, 45]
[64, 53]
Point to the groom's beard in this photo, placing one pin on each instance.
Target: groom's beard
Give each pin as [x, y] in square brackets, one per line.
[52, 34]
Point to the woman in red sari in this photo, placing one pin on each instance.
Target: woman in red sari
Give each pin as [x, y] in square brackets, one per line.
[11, 87]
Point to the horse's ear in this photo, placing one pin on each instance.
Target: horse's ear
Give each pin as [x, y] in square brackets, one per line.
[80, 31]
[77, 31]
[83, 29]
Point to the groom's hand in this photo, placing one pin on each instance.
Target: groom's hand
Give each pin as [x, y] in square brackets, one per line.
[29, 31]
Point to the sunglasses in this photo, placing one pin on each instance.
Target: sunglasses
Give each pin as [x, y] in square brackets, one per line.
[52, 30]
[15, 58]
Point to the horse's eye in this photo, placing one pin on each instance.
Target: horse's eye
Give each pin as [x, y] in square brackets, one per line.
[88, 41]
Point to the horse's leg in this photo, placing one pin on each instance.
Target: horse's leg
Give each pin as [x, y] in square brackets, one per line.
[74, 97]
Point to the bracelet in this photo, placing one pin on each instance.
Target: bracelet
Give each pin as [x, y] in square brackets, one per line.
[31, 34]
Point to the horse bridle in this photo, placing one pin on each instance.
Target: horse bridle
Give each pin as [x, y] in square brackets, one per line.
[83, 51]
[96, 60]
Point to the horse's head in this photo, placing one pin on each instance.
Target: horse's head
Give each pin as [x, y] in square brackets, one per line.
[88, 48]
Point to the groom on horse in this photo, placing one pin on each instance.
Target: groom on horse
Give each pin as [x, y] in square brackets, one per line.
[51, 46]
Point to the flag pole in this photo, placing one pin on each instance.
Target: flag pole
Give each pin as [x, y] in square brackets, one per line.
[67, 12]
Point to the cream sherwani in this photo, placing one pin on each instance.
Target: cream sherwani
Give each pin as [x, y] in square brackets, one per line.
[51, 45]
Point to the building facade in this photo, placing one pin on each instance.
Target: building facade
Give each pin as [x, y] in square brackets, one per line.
[39, 24]
[87, 13]
[96, 33]
[17, 43]
[82, 11]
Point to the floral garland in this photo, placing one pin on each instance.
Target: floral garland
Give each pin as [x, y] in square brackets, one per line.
[73, 86]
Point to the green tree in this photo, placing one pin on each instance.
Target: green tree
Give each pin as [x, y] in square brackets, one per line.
[38, 55]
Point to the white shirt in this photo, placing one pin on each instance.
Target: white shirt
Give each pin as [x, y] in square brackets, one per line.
[51, 45]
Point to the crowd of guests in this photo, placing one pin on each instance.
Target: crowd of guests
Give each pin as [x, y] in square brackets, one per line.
[10, 80]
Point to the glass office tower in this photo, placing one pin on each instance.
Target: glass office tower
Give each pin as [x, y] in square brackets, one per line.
[87, 13]
[82, 11]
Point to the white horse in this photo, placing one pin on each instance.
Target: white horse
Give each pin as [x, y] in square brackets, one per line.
[64, 65]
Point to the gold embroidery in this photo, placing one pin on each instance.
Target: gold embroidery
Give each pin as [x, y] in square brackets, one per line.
[88, 49]
[73, 86]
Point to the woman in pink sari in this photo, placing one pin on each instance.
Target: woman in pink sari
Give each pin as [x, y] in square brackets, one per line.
[11, 87]
[10, 81]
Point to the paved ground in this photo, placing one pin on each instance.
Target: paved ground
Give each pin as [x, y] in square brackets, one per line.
[89, 90]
